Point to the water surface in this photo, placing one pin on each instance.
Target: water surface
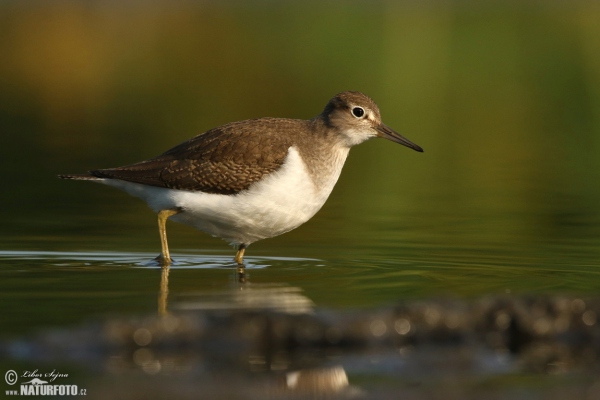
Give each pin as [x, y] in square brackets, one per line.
[503, 98]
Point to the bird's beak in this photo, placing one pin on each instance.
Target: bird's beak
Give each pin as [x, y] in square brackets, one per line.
[386, 132]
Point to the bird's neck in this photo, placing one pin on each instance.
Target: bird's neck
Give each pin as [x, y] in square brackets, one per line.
[327, 156]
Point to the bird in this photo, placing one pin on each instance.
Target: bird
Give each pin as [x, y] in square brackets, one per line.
[254, 179]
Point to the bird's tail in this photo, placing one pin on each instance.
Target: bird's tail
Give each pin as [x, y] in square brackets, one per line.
[80, 177]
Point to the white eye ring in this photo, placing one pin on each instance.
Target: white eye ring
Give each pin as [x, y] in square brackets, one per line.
[358, 112]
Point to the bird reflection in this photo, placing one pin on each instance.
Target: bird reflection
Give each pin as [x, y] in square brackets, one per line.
[314, 382]
[163, 293]
[244, 295]
[317, 381]
[263, 297]
[241, 273]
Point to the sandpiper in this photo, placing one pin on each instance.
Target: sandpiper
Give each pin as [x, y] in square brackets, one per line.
[252, 179]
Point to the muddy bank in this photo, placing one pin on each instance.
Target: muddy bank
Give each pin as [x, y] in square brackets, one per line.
[422, 349]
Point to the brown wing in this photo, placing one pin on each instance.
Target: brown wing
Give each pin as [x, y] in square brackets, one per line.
[224, 160]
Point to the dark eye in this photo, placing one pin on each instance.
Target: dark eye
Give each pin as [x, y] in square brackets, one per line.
[358, 112]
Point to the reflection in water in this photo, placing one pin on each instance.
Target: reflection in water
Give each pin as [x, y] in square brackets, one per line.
[273, 297]
[243, 295]
[247, 296]
[241, 274]
[164, 290]
[317, 381]
[320, 381]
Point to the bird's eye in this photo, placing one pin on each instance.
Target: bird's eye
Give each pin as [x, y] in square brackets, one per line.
[358, 112]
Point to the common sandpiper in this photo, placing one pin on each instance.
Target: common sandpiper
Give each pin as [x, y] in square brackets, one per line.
[254, 179]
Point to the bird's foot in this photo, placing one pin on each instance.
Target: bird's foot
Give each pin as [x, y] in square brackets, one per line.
[163, 261]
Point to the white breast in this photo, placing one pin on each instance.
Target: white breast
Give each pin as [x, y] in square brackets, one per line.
[277, 204]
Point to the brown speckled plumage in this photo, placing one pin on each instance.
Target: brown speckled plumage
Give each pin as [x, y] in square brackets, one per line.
[223, 160]
[230, 158]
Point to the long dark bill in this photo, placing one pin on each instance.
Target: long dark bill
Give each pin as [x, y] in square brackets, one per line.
[386, 132]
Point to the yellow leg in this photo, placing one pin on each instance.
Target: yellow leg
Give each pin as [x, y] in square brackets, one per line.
[239, 256]
[163, 215]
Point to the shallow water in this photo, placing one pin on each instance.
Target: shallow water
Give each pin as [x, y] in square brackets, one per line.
[41, 288]
[503, 202]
